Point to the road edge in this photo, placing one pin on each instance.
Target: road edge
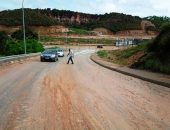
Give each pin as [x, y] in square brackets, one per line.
[95, 59]
[18, 58]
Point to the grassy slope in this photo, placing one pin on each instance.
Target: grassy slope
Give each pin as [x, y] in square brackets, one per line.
[78, 31]
[158, 53]
[148, 62]
[121, 56]
[77, 40]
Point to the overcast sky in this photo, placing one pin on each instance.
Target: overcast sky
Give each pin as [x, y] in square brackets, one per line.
[140, 8]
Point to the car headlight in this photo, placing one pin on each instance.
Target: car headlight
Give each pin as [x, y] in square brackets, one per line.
[52, 56]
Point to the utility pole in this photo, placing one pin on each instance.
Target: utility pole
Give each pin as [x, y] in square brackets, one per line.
[23, 17]
[66, 39]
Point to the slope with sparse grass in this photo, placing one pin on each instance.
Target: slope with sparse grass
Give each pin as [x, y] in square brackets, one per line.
[122, 56]
[78, 31]
[70, 40]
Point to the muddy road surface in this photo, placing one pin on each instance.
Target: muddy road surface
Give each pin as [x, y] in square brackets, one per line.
[55, 96]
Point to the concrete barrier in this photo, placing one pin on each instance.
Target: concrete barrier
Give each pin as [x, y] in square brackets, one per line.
[16, 58]
[158, 79]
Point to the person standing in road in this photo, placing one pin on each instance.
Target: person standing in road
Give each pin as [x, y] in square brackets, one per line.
[70, 56]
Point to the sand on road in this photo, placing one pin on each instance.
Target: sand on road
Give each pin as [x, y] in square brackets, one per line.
[83, 96]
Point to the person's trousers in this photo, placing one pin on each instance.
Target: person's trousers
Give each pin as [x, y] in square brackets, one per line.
[70, 59]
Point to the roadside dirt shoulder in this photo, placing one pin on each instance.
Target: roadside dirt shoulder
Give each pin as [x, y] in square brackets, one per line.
[156, 78]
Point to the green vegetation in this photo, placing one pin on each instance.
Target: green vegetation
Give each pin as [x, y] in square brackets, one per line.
[18, 35]
[78, 31]
[32, 17]
[161, 44]
[158, 21]
[77, 40]
[3, 41]
[121, 56]
[155, 54]
[158, 53]
[15, 46]
[102, 54]
[127, 53]
[47, 17]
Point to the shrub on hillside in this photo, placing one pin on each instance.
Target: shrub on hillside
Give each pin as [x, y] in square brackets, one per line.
[161, 44]
[3, 40]
[18, 35]
[17, 47]
[3, 37]
[13, 48]
[34, 46]
[157, 57]
[153, 63]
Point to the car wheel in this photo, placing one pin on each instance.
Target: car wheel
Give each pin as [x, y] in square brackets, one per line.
[41, 60]
[56, 59]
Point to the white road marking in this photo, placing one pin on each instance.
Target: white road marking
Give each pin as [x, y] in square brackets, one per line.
[87, 51]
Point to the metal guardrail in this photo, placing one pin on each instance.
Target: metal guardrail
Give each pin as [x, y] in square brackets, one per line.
[6, 59]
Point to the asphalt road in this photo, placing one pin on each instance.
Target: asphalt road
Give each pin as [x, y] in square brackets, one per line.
[55, 96]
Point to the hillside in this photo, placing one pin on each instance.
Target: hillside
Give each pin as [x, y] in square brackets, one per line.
[157, 57]
[47, 17]
[32, 18]
[158, 21]
[153, 55]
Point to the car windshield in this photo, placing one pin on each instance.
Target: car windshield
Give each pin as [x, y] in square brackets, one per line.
[60, 50]
[49, 52]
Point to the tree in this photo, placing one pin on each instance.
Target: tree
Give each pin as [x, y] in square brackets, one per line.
[15, 46]
[18, 35]
[47, 17]
[158, 21]
[3, 42]
[161, 44]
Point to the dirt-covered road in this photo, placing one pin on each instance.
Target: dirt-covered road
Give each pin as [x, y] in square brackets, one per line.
[83, 96]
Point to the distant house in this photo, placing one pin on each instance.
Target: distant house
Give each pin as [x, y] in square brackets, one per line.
[127, 42]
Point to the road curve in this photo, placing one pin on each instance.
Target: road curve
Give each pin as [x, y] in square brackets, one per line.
[84, 96]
